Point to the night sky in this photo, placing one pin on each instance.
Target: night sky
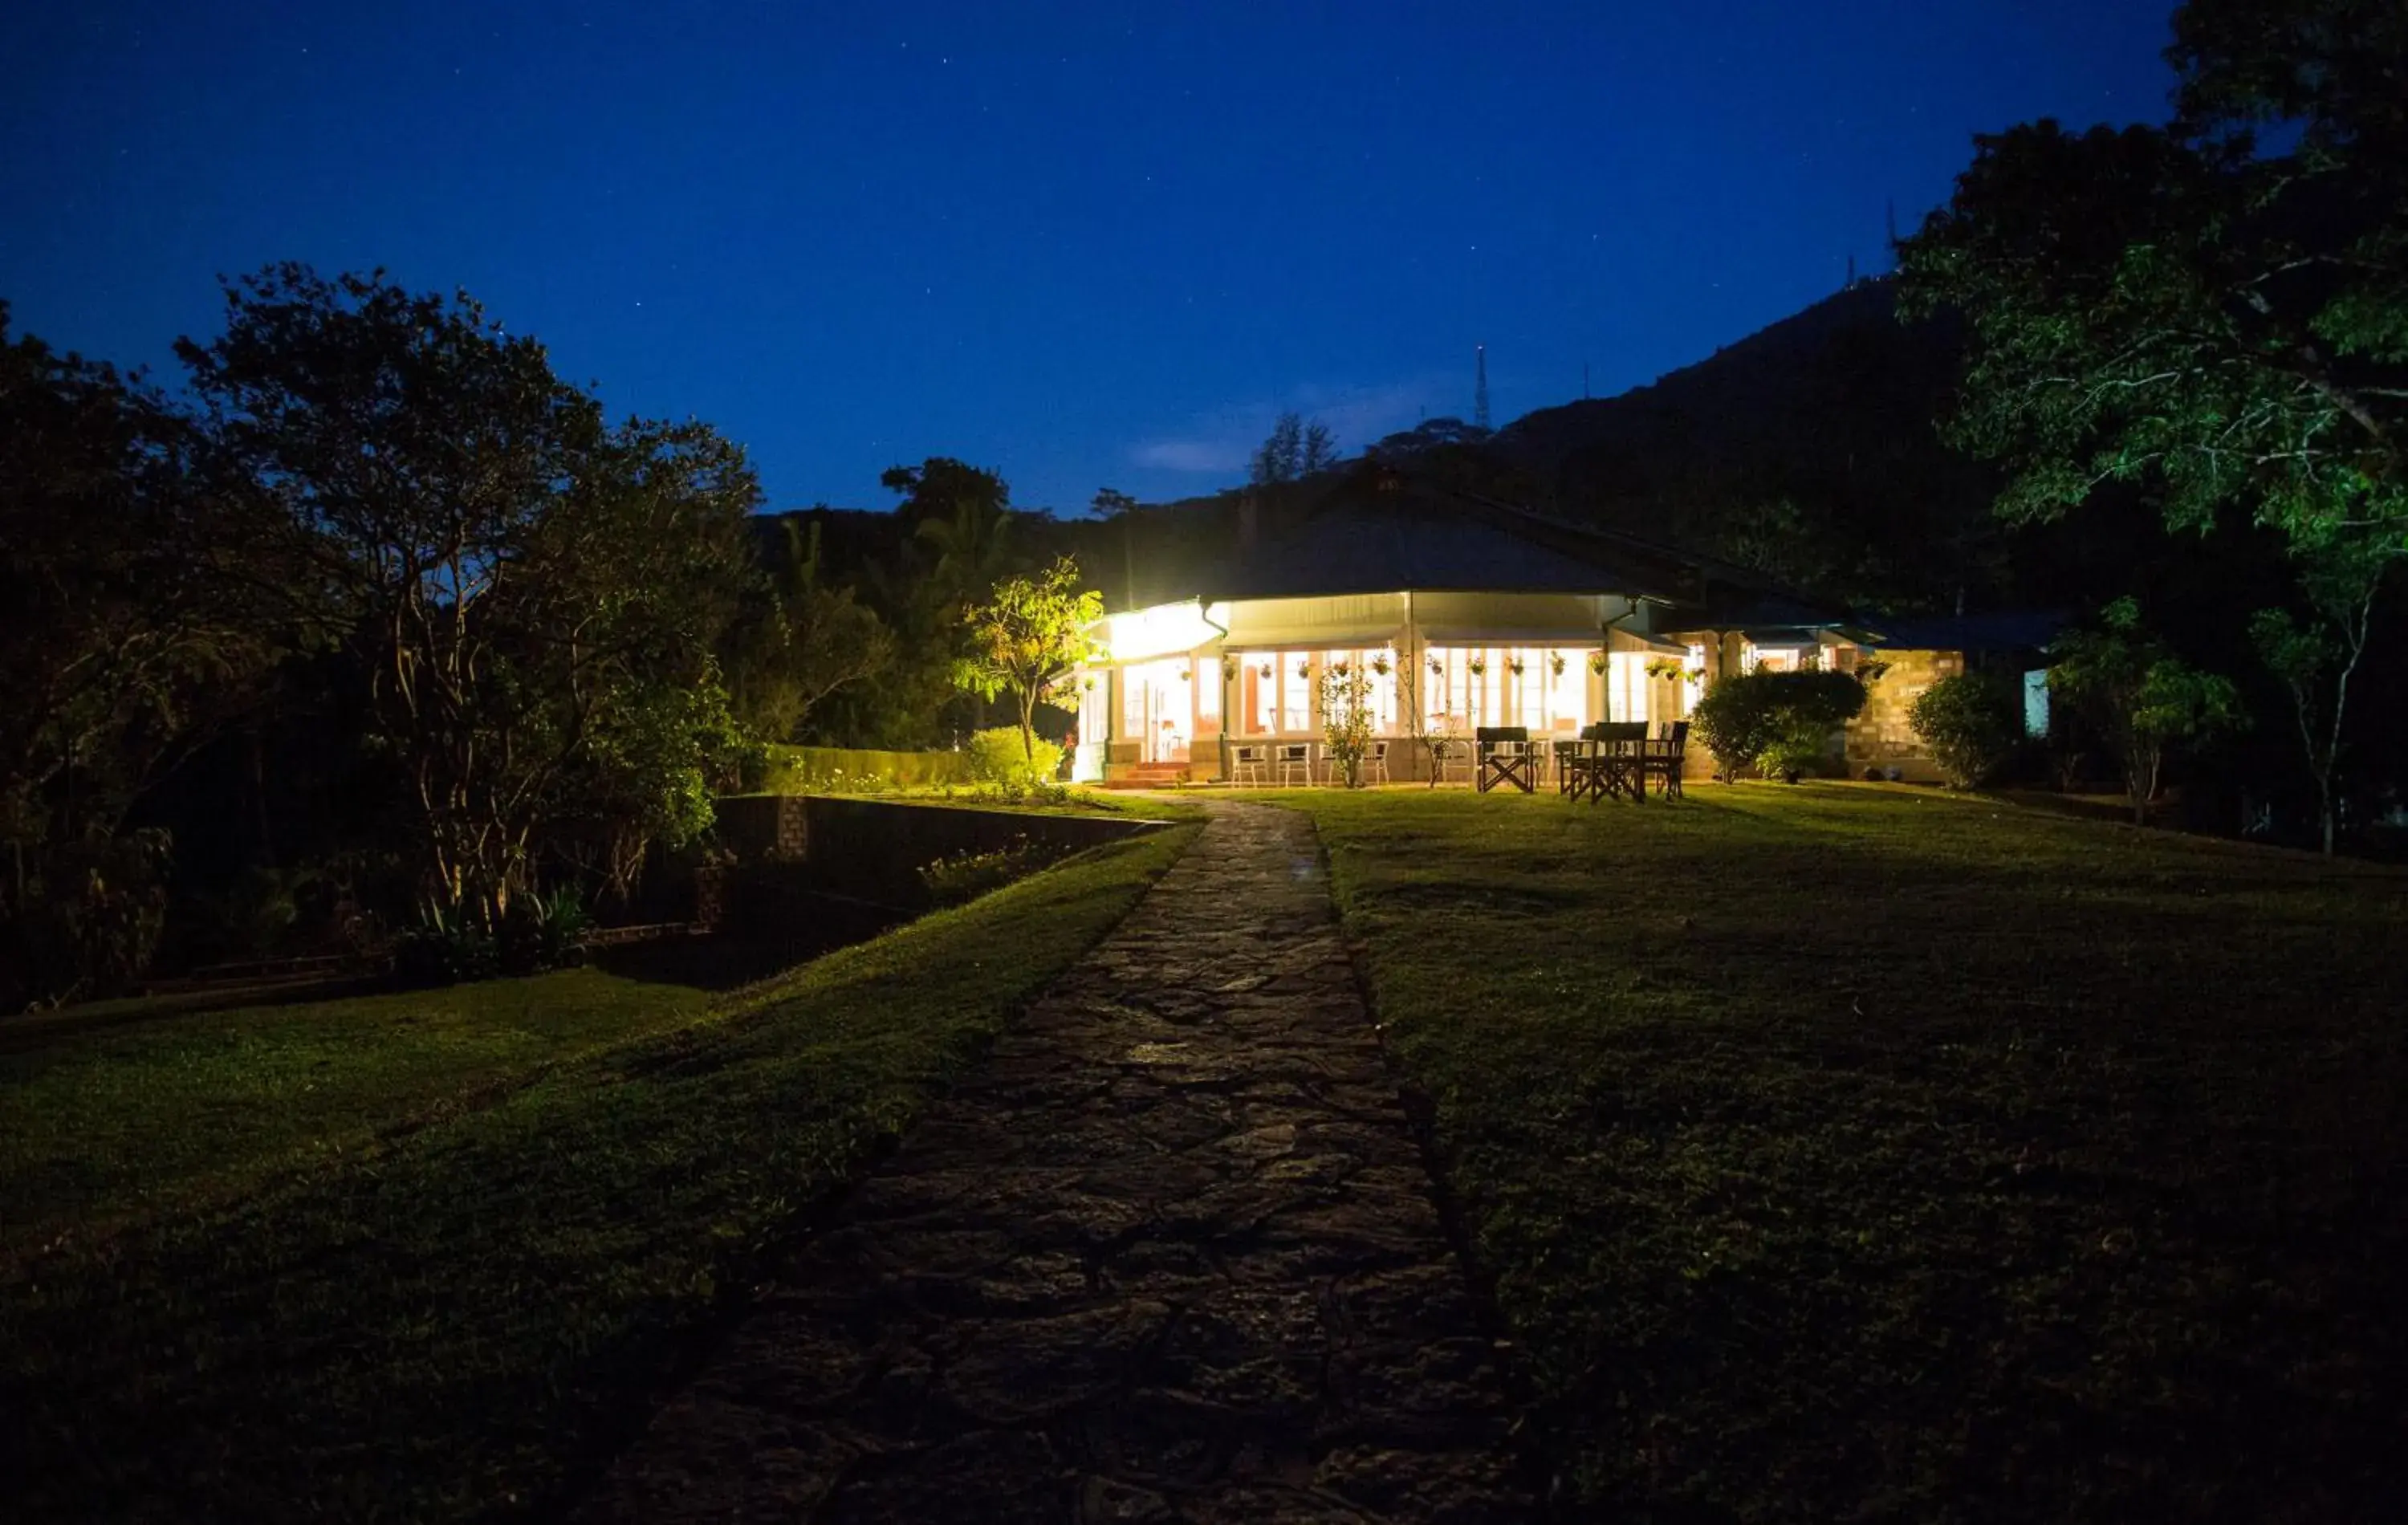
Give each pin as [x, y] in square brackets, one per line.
[1085, 245]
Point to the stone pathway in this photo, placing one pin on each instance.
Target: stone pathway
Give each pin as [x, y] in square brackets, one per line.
[1170, 1256]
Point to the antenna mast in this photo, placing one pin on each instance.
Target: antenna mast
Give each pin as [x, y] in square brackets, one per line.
[1480, 388]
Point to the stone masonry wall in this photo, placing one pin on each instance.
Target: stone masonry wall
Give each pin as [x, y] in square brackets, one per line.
[1881, 736]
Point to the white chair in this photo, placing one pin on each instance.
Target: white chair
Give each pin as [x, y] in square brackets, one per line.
[1296, 762]
[1250, 762]
[1375, 763]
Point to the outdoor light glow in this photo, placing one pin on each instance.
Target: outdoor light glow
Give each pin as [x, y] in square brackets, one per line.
[1163, 630]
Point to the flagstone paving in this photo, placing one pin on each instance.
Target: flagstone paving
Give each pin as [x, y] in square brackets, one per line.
[1170, 1256]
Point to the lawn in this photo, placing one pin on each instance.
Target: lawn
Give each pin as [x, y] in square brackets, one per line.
[105, 1128]
[1840, 1153]
[452, 1300]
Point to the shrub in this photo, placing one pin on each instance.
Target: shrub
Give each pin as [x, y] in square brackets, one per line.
[81, 919]
[1971, 722]
[996, 758]
[544, 932]
[966, 876]
[1776, 722]
[444, 950]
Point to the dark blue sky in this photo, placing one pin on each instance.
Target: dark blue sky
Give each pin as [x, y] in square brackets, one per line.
[1083, 244]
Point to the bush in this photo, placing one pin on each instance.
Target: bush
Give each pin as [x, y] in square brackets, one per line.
[1778, 723]
[966, 876]
[538, 932]
[1973, 723]
[444, 950]
[81, 919]
[996, 758]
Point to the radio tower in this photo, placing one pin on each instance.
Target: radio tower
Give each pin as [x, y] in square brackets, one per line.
[1480, 388]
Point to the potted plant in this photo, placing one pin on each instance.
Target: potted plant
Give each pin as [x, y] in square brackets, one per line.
[1265, 669]
[1438, 668]
[1381, 665]
[1304, 667]
[1477, 667]
[1556, 663]
[1228, 668]
[1596, 663]
[1513, 666]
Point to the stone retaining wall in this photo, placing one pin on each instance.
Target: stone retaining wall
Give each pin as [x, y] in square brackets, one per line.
[873, 849]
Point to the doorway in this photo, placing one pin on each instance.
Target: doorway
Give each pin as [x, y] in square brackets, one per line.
[1158, 708]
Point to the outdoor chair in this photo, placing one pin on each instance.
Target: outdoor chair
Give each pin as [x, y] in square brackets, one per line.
[1296, 762]
[1375, 763]
[1568, 760]
[1609, 761]
[1505, 758]
[1664, 759]
[1250, 761]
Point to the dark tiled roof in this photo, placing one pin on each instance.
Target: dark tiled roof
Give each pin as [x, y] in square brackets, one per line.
[2013, 629]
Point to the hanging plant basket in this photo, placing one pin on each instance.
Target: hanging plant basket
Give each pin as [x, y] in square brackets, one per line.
[1556, 663]
[1477, 667]
[1438, 668]
[1304, 668]
[1380, 666]
[1596, 663]
[1513, 666]
[1265, 669]
[1228, 667]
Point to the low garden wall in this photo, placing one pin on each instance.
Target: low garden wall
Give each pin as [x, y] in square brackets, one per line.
[873, 849]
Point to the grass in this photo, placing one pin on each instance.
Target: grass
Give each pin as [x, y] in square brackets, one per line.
[103, 1129]
[450, 1320]
[1846, 1154]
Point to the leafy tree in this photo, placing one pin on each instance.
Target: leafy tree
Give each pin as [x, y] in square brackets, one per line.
[1320, 451]
[2138, 698]
[1431, 434]
[941, 488]
[1281, 458]
[972, 547]
[803, 642]
[1110, 503]
[1973, 723]
[2316, 659]
[504, 562]
[1031, 635]
[1346, 718]
[2209, 310]
[656, 754]
[122, 648]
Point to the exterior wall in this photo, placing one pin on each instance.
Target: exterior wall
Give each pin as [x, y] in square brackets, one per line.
[1880, 737]
[873, 849]
[1221, 693]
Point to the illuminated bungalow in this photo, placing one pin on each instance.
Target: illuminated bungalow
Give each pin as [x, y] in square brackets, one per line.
[1460, 612]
